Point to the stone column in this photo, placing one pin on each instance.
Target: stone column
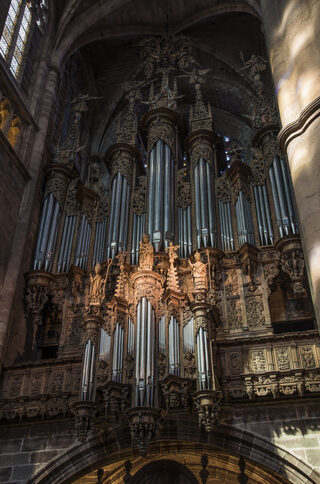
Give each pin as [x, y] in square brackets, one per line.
[292, 35]
[19, 241]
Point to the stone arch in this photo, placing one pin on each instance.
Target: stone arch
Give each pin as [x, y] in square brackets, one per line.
[230, 442]
[164, 470]
[75, 28]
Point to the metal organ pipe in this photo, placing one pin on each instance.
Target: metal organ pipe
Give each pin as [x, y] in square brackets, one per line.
[47, 235]
[185, 235]
[119, 216]
[161, 195]
[203, 360]
[88, 372]
[138, 229]
[244, 220]
[204, 199]
[188, 337]
[117, 359]
[263, 214]
[83, 243]
[145, 353]
[174, 347]
[105, 344]
[283, 197]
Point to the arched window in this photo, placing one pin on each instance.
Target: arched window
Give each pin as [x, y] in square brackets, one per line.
[15, 34]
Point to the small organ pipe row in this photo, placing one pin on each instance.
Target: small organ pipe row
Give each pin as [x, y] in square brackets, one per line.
[117, 359]
[226, 226]
[283, 198]
[204, 373]
[47, 235]
[87, 385]
[174, 347]
[83, 243]
[204, 200]
[145, 354]
[138, 229]
[263, 214]
[99, 242]
[119, 216]
[161, 196]
[66, 243]
[244, 220]
[185, 234]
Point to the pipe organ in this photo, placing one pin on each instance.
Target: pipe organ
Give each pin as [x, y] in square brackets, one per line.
[150, 315]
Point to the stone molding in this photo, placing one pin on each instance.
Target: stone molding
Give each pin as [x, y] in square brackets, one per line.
[299, 126]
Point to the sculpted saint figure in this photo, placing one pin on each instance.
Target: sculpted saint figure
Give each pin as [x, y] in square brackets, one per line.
[199, 273]
[172, 252]
[145, 253]
[97, 286]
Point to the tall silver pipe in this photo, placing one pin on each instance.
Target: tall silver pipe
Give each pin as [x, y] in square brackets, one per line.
[139, 237]
[149, 354]
[62, 248]
[292, 199]
[122, 215]
[185, 233]
[116, 223]
[258, 210]
[203, 199]
[134, 238]
[70, 241]
[189, 231]
[288, 195]
[206, 352]
[222, 225]
[212, 228]
[52, 237]
[79, 241]
[229, 227]
[126, 225]
[276, 201]
[138, 338]
[266, 203]
[87, 247]
[180, 231]
[84, 386]
[83, 243]
[264, 216]
[198, 211]
[157, 202]
[280, 189]
[142, 351]
[92, 371]
[167, 193]
[151, 192]
[47, 224]
[111, 219]
[40, 233]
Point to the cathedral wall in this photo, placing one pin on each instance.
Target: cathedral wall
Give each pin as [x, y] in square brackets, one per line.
[24, 449]
[294, 427]
[12, 183]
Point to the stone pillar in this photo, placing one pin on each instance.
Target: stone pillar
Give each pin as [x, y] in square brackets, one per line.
[19, 241]
[292, 35]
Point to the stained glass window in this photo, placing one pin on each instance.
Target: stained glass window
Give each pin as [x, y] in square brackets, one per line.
[14, 37]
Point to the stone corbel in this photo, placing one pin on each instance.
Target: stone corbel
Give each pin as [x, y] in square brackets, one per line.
[292, 263]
